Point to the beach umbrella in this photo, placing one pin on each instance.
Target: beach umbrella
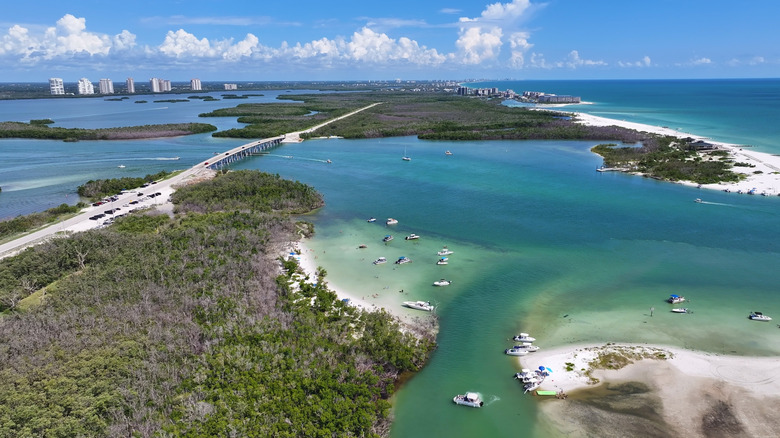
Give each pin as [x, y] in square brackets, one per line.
[548, 369]
[541, 368]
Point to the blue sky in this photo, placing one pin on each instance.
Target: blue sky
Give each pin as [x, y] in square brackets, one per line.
[229, 40]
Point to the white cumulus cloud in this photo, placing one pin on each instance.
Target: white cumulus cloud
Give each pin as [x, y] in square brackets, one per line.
[477, 44]
[574, 60]
[644, 62]
[480, 38]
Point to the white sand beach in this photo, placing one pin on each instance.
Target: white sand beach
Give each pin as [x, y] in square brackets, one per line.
[766, 182]
[693, 392]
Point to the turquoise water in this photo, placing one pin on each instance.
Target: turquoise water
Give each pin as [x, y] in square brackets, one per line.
[542, 243]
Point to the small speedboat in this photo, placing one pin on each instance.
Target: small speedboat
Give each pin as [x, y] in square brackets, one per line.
[419, 305]
[402, 260]
[380, 260]
[447, 153]
[121, 166]
[698, 200]
[468, 399]
[445, 251]
[412, 237]
[391, 221]
[405, 158]
[328, 161]
[527, 376]
[514, 351]
[443, 261]
[371, 219]
[758, 316]
[526, 346]
[674, 299]
[523, 337]
[682, 310]
[442, 282]
[363, 246]
[387, 238]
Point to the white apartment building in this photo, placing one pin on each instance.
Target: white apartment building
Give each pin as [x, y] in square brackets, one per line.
[159, 85]
[106, 86]
[56, 86]
[86, 87]
[130, 85]
[231, 87]
[195, 85]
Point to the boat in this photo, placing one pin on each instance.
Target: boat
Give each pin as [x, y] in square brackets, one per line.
[412, 237]
[419, 305]
[328, 161]
[121, 166]
[527, 346]
[387, 238]
[758, 316]
[363, 246]
[682, 310]
[445, 252]
[443, 261]
[447, 153]
[523, 337]
[528, 376]
[402, 260]
[674, 299]
[698, 200]
[371, 219]
[442, 282]
[406, 157]
[468, 399]
[514, 351]
[380, 260]
[391, 221]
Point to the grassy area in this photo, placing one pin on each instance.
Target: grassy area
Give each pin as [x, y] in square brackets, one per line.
[12, 228]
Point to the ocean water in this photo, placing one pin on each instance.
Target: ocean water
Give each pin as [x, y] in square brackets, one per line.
[542, 243]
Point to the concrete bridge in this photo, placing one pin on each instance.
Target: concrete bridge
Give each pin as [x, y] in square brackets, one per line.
[227, 158]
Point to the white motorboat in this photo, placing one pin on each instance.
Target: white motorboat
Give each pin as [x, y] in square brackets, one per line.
[524, 337]
[387, 238]
[758, 316]
[121, 166]
[442, 282]
[675, 299]
[682, 310]
[412, 237]
[380, 260]
[527, 346]
[698, 200]
[447, 153]
[468, 399]
[514, 351]
[445, 252]
[371, 219]
[419, 305]
[391, 221]
[402, 260]
[528, 376]
[443, 261]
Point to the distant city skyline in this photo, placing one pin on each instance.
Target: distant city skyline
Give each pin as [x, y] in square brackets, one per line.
[349, 40]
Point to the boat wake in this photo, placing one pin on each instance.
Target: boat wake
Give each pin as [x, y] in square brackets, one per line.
[489, 401]
[297, 158]
[161, 158]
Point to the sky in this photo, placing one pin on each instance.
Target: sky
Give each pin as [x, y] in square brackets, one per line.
[303, 40]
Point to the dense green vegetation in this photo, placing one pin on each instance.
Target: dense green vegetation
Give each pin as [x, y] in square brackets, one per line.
[97, 189]
[22, 224]
[266, 120]
[38, 130]
[182, 326]
[672, 159]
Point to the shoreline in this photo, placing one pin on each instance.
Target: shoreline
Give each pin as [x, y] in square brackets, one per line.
[766, 183]
[672, 391]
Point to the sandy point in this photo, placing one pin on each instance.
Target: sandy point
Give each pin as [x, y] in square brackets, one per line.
[645, 390]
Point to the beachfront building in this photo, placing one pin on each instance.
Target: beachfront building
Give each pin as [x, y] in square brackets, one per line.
[130, 85]
[56, 86]
[195, 85]
[159, 85]
[86, 87]
[106, 86]
[554, 98]
[231, 87]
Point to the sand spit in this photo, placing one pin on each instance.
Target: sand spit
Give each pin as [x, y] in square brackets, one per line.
[763, 178]
[639, 390]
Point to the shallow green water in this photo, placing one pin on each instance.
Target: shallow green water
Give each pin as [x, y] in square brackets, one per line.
[543, 244]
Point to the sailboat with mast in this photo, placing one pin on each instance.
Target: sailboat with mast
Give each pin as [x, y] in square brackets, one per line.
[406, 157]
